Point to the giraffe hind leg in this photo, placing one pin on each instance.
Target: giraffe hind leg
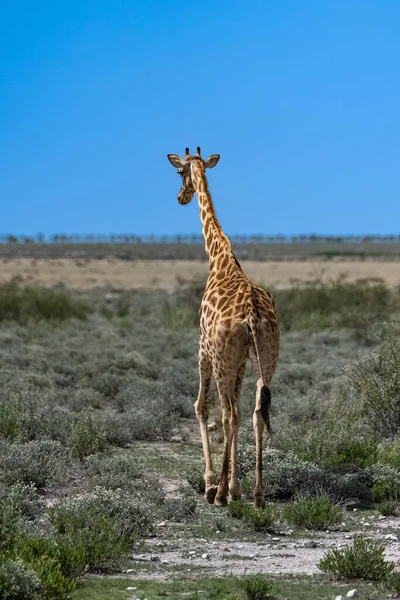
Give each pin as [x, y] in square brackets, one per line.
[201, 410]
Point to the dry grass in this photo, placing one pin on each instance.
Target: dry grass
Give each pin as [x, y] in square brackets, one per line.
[163, 274]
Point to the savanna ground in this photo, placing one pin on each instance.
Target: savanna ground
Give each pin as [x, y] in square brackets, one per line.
[101, 463]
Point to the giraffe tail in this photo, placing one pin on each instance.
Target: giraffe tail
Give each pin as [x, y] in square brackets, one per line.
[265, 392]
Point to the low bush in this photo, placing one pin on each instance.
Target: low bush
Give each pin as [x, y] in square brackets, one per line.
[256, 587]
[39, 462]
[259, 519]
[364, 560]
[376, 382]
[313, 512]
[195, 478]
[333, 305]
[105, 522]
[178, 509]
[386, 483]
[286, 474]
[58, 561]
[117, 471]
[389, 508]
[21, 303]
[88, 435]
[17, 582]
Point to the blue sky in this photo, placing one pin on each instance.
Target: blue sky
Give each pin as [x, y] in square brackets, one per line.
[300, 97]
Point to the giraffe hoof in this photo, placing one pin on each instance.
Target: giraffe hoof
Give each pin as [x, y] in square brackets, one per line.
[220, 501]
[234, 494]
[211, 492]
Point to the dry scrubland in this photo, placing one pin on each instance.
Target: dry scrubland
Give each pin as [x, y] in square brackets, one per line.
[100, 458]
[88, 273]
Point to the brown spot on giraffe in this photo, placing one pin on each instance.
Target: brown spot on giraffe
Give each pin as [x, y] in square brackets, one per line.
[237, 322]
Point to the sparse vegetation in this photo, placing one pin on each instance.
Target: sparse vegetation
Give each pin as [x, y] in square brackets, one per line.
[313, 512]
[363, 560]
[77, 398]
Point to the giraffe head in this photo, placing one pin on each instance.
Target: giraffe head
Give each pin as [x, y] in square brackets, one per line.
[184, 166]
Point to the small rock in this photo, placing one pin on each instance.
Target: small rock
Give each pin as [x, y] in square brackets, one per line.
[165, 562]
[205, 555]
[367, 524]
[240, 546]
[192, 552]
[381, 517]
[339, 598]
[212, 426]
[348, 537]
[351, 593]
[161, 544]
[392, 537]
[154, 558]
[274, 540]
[131, 571]
[131, 589]
[162, 524]
[176, 438]
[309, 544]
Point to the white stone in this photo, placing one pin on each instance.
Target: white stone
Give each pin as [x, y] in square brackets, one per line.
[131, 571]
[162, 524]
[339, 598]
[351, 593]
[205, 555]
[192, 552]
[131, 589]
[392, 537]
[274, 540]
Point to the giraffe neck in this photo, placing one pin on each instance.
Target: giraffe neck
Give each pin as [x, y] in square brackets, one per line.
[215, 240]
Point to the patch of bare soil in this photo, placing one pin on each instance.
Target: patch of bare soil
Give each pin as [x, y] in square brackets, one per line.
[164, 274]
[275, 555]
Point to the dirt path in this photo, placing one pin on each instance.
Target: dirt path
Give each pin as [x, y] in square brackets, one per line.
[275, 555]
[120, 274]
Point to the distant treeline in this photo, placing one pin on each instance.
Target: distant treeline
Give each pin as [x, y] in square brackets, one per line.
[195, 239]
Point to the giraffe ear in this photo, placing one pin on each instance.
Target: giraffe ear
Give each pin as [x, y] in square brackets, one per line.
[211, 161]
[176, 161]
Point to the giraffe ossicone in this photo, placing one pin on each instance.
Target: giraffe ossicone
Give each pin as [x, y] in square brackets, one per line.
[237, 322]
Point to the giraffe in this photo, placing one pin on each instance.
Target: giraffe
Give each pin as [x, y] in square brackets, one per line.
[237, 321]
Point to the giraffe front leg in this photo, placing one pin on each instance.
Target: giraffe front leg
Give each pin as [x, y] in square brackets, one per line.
[201, 410]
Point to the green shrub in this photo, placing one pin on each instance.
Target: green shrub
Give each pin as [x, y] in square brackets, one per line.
[386, 483]
[256, 587]
[117, 471]
[258, 519]
[333, 305]
[105, 522]
[178, 509]
[389, 508]
[40, 462]
[393, 582]
[58, 561]
[376, 382]
[23, 498]
[313, 512]
[88, 435]
[286, 474]
[195, 478]
[17, 582]
[364, 560]
[21, 303]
